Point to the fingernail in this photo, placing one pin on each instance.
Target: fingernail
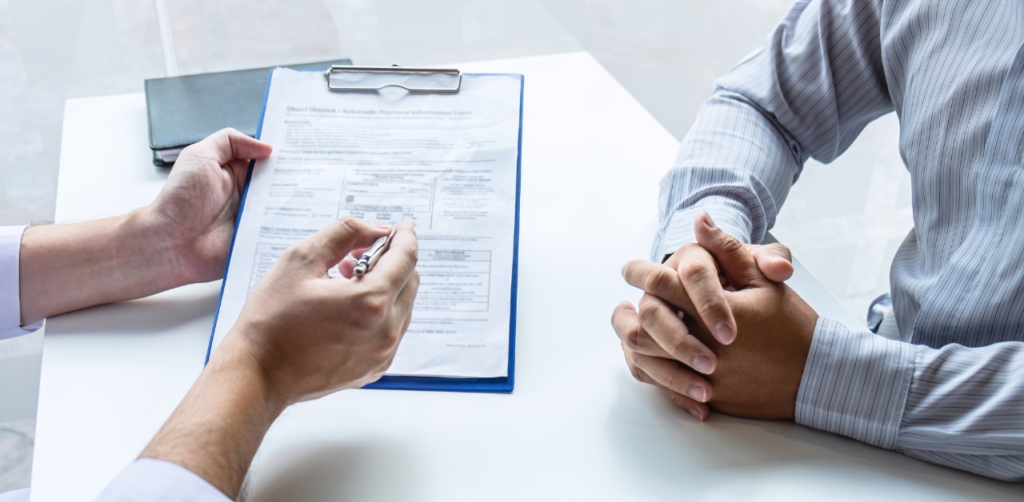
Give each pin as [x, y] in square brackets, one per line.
[703, 364]
[708, 222]
[623, 270]
[723, 333]
[696, 413]
[382, 224]
[697, 392]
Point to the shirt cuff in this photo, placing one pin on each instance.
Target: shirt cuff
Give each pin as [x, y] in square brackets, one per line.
[725, 212]
[159, 481]
[10, 285]
[855, 384]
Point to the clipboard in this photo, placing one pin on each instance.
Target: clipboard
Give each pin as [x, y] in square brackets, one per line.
[350, 79]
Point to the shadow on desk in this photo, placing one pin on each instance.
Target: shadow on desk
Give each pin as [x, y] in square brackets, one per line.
[316, 471]
[656, 442]
[155, 314]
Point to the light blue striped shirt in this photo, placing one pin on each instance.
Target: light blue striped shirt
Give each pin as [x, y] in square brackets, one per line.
[951, 390]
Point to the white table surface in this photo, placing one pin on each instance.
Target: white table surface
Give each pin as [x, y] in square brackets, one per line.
[577, 427]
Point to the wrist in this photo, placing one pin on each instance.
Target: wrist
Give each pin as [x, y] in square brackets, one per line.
[218, 427]
[69, 267]
[162, 245]
[234, 359]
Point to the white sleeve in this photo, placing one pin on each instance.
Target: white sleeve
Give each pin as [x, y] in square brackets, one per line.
[10, 294]
[152, 480]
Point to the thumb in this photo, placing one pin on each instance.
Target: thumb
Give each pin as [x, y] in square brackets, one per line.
[334, 242]
[774, 260]
[737, 262]
[227, 144]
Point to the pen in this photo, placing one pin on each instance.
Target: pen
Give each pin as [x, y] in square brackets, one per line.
[372, 254]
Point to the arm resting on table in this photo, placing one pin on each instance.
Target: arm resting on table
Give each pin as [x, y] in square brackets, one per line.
[156, 480]
[956, 406]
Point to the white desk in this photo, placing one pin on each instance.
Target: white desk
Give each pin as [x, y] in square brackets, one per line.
[577, 426]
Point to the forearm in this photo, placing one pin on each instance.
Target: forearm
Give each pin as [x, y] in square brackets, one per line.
[955, 406]
[807, 92]
[965, 409]
[218, 427]
[73, 266]
[740, 179]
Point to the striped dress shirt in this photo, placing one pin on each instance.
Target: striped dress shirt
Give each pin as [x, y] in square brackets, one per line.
[950, 390]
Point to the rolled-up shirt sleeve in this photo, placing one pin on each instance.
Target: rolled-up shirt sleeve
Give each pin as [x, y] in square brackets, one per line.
[10, 284]
[152, 480]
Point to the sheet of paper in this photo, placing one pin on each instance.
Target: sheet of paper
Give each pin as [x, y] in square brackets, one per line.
[447, 161]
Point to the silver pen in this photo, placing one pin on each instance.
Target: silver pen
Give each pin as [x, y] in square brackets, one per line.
[372, 254]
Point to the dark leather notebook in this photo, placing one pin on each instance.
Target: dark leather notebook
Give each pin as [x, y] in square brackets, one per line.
[184, 110]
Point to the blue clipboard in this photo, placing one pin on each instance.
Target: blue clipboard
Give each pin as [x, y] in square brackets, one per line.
[500, 384]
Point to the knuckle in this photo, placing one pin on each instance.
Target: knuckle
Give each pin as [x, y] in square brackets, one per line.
[374, 307]
[680, 348]
[648, 312]
[673, 381]
[633, 337]
[349, 223]
[412, 253]
[693, 272]
[658, 280]
[392, 337]
[782, 250]
[730, 244]
[689, 247]
[712, 305]
[679, 400]
[637, 374]
[301, 252]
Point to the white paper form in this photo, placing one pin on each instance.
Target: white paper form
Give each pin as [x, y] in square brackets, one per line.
[447, 161]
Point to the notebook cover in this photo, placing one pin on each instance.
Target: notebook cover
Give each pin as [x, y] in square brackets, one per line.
[184, 110]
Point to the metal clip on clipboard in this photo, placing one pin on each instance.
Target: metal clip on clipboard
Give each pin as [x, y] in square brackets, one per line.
[375, 78]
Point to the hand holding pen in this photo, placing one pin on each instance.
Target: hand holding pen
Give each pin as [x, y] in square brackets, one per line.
[372, 254]
[353, 267]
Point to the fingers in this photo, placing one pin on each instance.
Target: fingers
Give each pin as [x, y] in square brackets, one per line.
[227, 144]
[330, 245]
[347, 267]
[774, 261]
[699, 275]
[404, 302]
[398, 263]
[658, 280]
[667, 329]
[633, 337]
[671, 375]
[737, 263]
[699, 410]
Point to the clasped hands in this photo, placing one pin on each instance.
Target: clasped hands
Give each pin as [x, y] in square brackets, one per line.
[717, 328]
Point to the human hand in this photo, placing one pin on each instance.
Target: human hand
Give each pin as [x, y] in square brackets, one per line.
[314, 335]
[759, 374]
[695, 270]
[196, 209]
[300, 335]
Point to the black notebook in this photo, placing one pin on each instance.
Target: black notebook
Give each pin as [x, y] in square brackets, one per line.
[184, 110]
